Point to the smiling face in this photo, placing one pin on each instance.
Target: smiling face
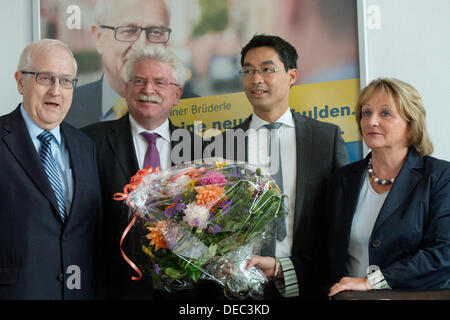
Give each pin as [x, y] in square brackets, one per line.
[150, 106]
[114, 53]
[382, 126]
[269, 95]
[47, 105]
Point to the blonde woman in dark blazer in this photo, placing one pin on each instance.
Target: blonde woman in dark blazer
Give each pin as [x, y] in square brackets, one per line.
[389, 214]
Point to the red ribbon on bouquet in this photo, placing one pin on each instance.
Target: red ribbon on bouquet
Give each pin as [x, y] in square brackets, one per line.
[119, 196]
[193, 173]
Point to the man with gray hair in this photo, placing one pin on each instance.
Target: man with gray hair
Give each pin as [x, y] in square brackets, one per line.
[120, 28]
[50, 208]
[143, 137]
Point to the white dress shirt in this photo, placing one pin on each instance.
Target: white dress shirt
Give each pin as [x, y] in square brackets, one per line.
[366, 214]
[258, 156]
[162, 143]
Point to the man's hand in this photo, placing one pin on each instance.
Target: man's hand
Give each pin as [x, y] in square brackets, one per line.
[266, 264]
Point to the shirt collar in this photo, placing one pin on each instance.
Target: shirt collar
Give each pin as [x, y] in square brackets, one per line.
[286, 119]
[109, 97]
[34, 130]
[162, 130]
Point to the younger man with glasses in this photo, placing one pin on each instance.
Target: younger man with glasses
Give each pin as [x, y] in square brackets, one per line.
[306, 153]
[120, 28]
[50, 208]
[143, 137]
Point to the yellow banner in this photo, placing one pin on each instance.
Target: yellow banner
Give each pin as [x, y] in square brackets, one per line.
[327, 101]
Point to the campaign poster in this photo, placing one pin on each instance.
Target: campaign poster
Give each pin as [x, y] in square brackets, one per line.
[208, 36]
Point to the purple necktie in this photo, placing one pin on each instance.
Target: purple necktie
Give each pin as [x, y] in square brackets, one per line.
[152, 154]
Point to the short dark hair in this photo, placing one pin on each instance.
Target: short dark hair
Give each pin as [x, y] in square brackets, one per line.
[287, 53]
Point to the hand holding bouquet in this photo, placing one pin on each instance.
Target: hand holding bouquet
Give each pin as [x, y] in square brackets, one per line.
[205, 220]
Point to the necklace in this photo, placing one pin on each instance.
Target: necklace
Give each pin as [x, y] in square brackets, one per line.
[374, 177]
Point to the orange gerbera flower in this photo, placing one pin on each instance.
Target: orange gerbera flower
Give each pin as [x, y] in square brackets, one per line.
[156, 236]
[210, 196]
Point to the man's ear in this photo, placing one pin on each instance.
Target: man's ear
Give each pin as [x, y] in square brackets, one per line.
[19, 79]
[98, 36]
[293, 75]
[179, 93]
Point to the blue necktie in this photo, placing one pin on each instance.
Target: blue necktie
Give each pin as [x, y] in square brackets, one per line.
[278, 176]
[45, 154]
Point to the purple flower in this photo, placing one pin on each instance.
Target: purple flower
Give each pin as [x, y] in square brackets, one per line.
[216, 228]
[225, 206]
[235, 173]
[170, 212]
[179, 206]
[157, 270]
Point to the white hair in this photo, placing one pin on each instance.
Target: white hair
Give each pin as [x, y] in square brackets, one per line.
[26, 62]
[159, 54]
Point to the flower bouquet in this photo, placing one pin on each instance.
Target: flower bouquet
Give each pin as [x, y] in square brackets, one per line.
[205, 219]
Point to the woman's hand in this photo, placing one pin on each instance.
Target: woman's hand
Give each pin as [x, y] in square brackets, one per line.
[266, 264]
[346, 283]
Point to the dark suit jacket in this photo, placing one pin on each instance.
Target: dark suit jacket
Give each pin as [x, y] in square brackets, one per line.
[320, 151]
[117, 163]
[410, 241]
[87, 104]
[36, 249]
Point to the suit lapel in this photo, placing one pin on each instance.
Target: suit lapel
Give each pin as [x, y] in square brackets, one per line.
[18, 141]
[121, 142]
[303, 138]
[405, 182]
[76, 165]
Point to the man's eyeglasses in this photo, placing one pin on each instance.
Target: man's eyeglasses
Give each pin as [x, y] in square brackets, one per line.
[265, 72]
[132, 33]
[158, 83]
[48, 79]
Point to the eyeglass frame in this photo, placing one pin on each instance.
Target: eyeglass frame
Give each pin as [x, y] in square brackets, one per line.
[53, 76]
[252, 72]
[147, 32]
[146, 81]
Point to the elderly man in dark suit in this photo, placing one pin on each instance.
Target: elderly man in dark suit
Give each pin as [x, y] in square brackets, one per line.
[303, 154]
[50, 208]
[143, 137]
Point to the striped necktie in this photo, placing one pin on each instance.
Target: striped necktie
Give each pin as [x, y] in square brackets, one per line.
[45, 154]
[278, 176]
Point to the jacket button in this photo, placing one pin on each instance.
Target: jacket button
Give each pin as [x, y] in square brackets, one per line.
[60, 277]
[376, 243]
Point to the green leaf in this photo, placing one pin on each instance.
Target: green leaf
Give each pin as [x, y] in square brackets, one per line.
[173, 273]
[212, 249]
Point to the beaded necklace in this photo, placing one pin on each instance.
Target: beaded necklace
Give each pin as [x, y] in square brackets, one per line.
[374, 177]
